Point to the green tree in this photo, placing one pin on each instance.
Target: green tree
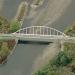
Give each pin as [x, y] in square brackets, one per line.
[14, 26]
[62, 59]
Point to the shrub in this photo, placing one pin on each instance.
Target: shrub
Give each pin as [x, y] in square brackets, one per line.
[4, 49]
[4, 25]
[40, 73]
[14, 26]
[70, 30]
[62, 59]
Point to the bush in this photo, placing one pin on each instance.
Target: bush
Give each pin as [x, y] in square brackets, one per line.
[14, 26]
[55, 66]
[70, 30]
[40, 73]
[62, 59]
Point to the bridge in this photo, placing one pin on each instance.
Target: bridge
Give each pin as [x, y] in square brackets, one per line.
[38, 33]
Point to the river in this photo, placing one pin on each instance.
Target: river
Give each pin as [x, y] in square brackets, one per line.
[21, 62]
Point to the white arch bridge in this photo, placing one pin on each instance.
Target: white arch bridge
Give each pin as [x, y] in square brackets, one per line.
[37, 33]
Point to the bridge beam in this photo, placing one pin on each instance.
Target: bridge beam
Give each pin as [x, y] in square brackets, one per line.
[29, 37]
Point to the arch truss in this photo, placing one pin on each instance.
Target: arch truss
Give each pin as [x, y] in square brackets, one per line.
[39, 30]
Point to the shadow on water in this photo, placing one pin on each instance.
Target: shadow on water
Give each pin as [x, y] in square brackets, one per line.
[33, 42]
[3, 64]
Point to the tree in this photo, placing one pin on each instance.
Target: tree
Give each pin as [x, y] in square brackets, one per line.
[62, 59]
[14, 26]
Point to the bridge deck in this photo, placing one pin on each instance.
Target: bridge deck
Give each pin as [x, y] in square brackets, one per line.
[31, 37]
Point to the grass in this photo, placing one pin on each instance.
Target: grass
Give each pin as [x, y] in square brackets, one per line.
[4, 25]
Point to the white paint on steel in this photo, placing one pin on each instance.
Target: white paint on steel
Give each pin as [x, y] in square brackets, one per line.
[39, 30]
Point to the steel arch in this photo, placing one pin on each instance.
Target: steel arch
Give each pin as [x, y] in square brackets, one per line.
[39, 30]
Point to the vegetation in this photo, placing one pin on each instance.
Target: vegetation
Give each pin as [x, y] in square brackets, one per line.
[21, 12]
[4, 25]
[14, 26]
[57, 65]
[6, 46]
[16, 23]
[62, 59]
[64, 62]
[70, 30]
[5, 49]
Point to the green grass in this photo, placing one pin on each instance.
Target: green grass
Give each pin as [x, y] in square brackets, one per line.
[14, 26]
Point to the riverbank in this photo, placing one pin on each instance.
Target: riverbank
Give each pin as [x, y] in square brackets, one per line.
[64, 62]
[6, 27]
[49, 52]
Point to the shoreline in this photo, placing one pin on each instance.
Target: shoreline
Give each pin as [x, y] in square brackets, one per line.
[4, 60]
[48, 54]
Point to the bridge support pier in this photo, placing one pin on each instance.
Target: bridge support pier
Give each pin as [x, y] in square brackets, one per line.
[62, 45]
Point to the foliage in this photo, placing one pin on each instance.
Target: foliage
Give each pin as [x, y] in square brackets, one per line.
[4, 49]
[70, 30]
[4, 25]
[11, 43]
[14, 26]
[55, 66]
[6, 46]
[62, 59]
